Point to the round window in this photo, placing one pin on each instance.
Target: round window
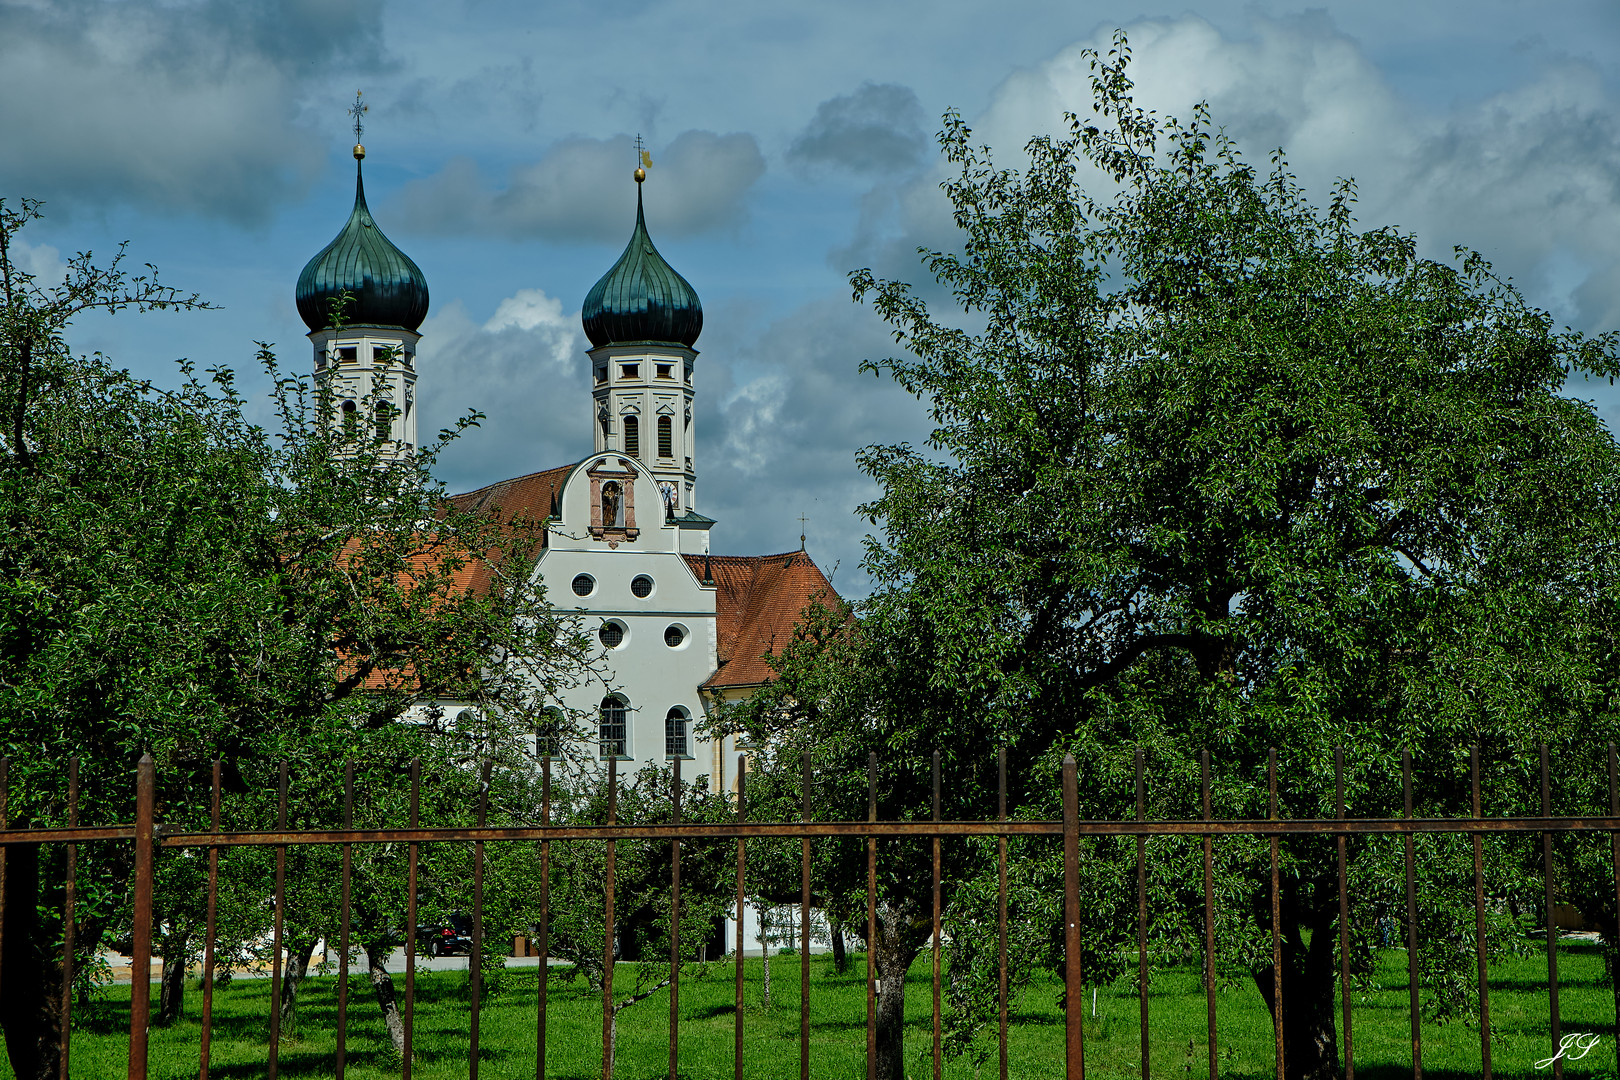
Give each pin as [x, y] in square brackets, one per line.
[583, 584]
[642, 585]
[612, 635]
[673, 636]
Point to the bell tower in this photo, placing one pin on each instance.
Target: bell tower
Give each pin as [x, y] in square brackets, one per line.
[642, 319]
[363, 300]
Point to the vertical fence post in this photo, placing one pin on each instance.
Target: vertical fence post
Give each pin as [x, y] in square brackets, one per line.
[543, 975]
[742, 815]
[1074, 1054]
[344, 901]
[67, 920]
[1001, 912]
[1344, 916]
[1614, 846]
[1552, 921]
[1209, 915]
[608, 1046]
[674, 918]
[804, 931]
[275, 944]
[140, 972]
[938, 1059]
[210, 932]
[1412, 983]
[413, 854]
[475, 963]
[871, 920]
[1278, 1019]
[1479, 919]
[1141, 911]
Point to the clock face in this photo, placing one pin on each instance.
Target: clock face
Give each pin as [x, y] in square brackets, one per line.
[667, 490]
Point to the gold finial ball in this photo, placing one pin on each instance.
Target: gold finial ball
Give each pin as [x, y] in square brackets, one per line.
[641, 174]
[359, 151]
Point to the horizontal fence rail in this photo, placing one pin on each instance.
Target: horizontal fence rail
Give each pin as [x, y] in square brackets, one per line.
[149, 837]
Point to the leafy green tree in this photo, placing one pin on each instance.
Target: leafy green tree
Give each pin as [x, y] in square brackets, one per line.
[175, 579]
[1214, 468]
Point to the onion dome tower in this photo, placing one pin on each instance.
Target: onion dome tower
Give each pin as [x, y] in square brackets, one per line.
[363, 300]
[642, 319]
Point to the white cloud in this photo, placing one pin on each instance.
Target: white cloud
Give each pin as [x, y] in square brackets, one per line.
[525, 370]
[177, 108]
[580, 189]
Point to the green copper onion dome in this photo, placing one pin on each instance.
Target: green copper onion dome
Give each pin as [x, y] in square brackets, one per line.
[642, 298]
[388, 288]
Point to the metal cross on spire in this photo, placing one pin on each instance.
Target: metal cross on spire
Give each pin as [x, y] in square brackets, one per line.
[802, 520]
[357, 110]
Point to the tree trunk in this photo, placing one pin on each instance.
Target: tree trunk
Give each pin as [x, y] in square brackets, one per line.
[1310, 1043]
[30, 980]
[299, 955]
[893, 958]
[382, 984]
[835, 931]
[172, 983]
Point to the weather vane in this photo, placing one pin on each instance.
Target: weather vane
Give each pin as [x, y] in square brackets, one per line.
[802, 520]
[644, 159]
[358, 110]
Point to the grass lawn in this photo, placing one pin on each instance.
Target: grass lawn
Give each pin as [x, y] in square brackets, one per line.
[1518, 1008]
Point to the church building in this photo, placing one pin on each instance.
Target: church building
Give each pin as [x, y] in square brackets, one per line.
[625, 543]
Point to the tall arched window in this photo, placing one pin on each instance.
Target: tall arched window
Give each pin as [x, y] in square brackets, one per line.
[666, 437]
[611, 731]
[675, 744]
[549, 731]
[351, 420]
[632, 436]
[383, 419]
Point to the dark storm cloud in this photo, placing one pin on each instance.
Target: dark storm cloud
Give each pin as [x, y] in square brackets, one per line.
[877, 129]
[580, 189]
[170, 107]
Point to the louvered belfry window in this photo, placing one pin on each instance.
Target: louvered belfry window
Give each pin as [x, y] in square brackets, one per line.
[632, 436]
[666, 437]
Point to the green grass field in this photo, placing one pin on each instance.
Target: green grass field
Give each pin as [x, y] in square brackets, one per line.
[1518, 1000]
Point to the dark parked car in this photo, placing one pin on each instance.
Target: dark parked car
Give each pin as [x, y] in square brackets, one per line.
[452, 937]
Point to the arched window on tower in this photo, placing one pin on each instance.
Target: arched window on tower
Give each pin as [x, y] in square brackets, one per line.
[351, 420]
[666, 437]
[383, 420]
[675, 744]
[611, 727]
[632, 436]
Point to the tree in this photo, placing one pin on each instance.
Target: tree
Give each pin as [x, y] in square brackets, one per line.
[1213, 467]
[177, 580]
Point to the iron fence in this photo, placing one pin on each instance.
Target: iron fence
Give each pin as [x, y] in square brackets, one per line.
[148, 837]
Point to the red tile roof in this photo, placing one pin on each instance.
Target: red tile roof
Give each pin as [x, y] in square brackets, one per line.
[758, 600]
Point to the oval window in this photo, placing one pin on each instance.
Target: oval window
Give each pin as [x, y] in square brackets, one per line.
[673, 636]
[583, 584]
[642, 586]
[611, 634]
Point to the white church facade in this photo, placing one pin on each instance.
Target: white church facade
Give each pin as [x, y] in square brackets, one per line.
[624, 544]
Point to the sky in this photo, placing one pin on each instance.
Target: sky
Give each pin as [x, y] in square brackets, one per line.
[792, 143]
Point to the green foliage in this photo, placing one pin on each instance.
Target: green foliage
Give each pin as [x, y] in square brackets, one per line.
[178, 580]
[1213, 467]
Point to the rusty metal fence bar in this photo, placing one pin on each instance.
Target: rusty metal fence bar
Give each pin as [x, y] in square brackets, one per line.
[148, 837]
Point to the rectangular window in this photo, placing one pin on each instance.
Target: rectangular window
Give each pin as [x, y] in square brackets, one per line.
[601, 373]
[381, 354]
[348, 354]
[664, 371]
[629, 371]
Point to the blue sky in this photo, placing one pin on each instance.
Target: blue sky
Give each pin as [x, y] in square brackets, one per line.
[791, 143]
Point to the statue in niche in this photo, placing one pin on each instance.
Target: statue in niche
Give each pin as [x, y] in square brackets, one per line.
[612, 505]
